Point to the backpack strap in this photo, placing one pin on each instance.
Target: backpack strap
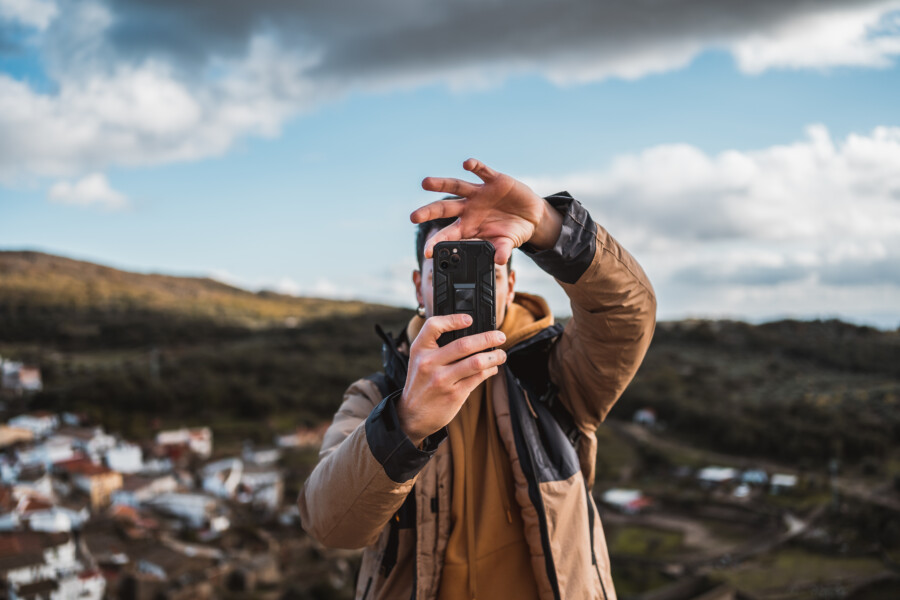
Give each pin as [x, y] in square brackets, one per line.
[381, 382]
[404, 518]
[388, 381]
[393, 363]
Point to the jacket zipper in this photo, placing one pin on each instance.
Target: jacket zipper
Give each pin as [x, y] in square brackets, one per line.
[591, 516]
[528, 401]
[600, 577]
[537, 499]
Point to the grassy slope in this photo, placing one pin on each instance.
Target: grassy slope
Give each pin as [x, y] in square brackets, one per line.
[798, 391]
[42, 281]
[131, 345]
[137, 351]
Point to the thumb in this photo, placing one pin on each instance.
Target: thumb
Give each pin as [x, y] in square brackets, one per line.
[435, 326]
[503, 249]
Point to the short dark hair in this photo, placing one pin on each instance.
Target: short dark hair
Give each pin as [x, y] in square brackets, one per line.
[423, 231]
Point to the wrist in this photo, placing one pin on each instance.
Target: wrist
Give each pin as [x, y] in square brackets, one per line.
[406, 426]
[547, 231]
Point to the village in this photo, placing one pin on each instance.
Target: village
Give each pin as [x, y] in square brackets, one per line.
[85, 513]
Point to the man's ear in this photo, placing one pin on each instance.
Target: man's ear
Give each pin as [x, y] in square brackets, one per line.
[417, 281]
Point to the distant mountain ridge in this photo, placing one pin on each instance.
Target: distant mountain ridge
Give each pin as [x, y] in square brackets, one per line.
[45, 280]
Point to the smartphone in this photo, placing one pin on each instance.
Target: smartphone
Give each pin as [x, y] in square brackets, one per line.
[463, 281]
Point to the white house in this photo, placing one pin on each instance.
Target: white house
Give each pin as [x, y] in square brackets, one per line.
[125, 458]
[41, 424]
[717, 475]
[86, 585]
[303, 437]
[221, 478]
[257, 485]
[261, 487]
[755, 477]
[37, 557]
[55, 449]
[93, 441]
[198, 440]
[628, 501]
[196, 510]
[19, 377]
[39, 514]
[261, 456]
[137, 489]
[645, 417]
[33, 481]
[782, 482]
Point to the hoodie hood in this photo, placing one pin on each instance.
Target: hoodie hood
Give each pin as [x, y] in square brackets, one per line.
[527, 315]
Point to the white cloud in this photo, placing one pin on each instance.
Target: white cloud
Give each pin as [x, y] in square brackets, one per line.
[33, 13]
[89, 191]
[810, 190]
[136, 83]
[859, 36]
[141, 115]
[811, 227]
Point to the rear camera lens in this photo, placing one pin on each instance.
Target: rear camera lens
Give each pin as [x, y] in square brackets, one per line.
[444, 253]
[454, 259]
[444, 264]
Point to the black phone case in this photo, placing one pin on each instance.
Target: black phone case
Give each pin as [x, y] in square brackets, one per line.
[465, 285]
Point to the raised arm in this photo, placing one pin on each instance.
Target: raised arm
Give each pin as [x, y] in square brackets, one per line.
[613, 313]
[613, 303]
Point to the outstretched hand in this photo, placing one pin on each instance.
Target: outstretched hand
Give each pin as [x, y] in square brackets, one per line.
[501, 210]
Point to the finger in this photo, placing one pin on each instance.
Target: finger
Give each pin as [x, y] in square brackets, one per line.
[469, 345]
[473, 381]
[449, 185]
[503, 248]
[484, 172]
[476, 364]
[435, 326]
[450, 233]
[438, 210]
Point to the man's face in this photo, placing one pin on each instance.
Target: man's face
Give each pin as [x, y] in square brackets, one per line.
[504, 282]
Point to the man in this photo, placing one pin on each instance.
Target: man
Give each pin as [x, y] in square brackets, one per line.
[465, 472]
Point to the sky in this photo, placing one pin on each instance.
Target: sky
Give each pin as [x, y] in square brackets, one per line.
[746, 153]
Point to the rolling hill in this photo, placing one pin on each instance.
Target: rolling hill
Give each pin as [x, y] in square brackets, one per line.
[58, 300]
[128, 347]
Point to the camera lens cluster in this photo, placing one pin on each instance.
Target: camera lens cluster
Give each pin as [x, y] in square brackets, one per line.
[446, 258]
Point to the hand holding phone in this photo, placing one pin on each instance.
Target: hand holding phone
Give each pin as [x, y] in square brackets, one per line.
[440, 379]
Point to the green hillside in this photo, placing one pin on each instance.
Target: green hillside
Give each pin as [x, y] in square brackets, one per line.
[132, 349]
[136, 351]
[77, 304]
[805, 392]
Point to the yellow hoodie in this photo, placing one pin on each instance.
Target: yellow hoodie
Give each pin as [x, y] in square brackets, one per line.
[487, 554]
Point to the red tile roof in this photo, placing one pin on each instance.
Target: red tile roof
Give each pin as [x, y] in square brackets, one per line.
[82, 466]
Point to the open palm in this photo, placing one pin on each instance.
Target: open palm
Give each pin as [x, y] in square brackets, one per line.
[501, 210]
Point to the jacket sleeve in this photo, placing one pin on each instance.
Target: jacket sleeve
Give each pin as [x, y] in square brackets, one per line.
[613, 314]
[366, 468]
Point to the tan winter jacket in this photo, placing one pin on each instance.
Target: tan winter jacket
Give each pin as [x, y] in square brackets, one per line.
[373, 489]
